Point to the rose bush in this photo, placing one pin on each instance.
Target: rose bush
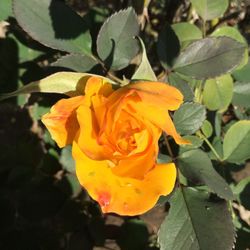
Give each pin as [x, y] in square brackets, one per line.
[115, 136]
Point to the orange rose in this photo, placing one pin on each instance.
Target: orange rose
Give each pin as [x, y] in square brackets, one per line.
[115, 141]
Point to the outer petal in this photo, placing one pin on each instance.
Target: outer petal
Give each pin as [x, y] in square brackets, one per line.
[150, 100]
[87, 138]
[157, 93]
[97, 86]
[121, 195]
[159, 117]
[61, 121]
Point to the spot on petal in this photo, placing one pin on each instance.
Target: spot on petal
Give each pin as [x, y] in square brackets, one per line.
[92, 173]
[104, 200]
[138, 191]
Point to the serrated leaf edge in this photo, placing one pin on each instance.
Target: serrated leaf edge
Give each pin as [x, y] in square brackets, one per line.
[33, 35]
[120, 12]
[214, 76]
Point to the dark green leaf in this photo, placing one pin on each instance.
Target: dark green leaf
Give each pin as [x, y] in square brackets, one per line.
[218, 92]
[163, 158]
[78, 63]
[189, 118]
[197, 167]
[168, 47]
[116, 43]
[237, 142]
[210, 57]
[131, 230]
[241, 94]
[210, 9]
[241, 185]
[196, 142]
[235, 34]
[196, 223]
[53, 24]
[175, 80]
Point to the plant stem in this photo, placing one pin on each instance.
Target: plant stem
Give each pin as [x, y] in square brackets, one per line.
[204, 28]
[210, 146]
[198, 91]
[168, 146]
[112, 77]
[116, 79]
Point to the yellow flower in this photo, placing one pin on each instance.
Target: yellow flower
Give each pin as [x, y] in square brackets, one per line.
[115, 135]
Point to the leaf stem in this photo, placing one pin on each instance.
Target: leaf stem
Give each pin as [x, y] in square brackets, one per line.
[112, 77]
[210, 146]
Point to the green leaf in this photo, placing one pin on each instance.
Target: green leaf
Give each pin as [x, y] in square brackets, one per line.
[241, 94]
[78, 63]
[218, 92]
[194, 222]
[26, 53]
[217, 145]
[5, 9]
[168, 47]
[66, 159]
[189, 118]
[73, 183]
[218, 123]
[116, 43]
[163, 158]
[176, 81]
[236, 35]
[196, 166]
[37, 111]
[241, 185]
[68, 83]
[207, 129]
[53, 24]
[210, 57]
[243, 74]
[129, 231]
[210, 9]
[144, 71]
[196, 142]
[186, 32]
[242, 113]
[237, 142]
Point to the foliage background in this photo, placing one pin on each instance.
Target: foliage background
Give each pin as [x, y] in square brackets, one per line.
[42, 205]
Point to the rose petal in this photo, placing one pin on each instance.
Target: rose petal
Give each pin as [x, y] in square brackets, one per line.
[87, 138]
[159, 117]
[97, 86]
[61, 121]
[123, 195]
[157, 93]
[137, 166]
